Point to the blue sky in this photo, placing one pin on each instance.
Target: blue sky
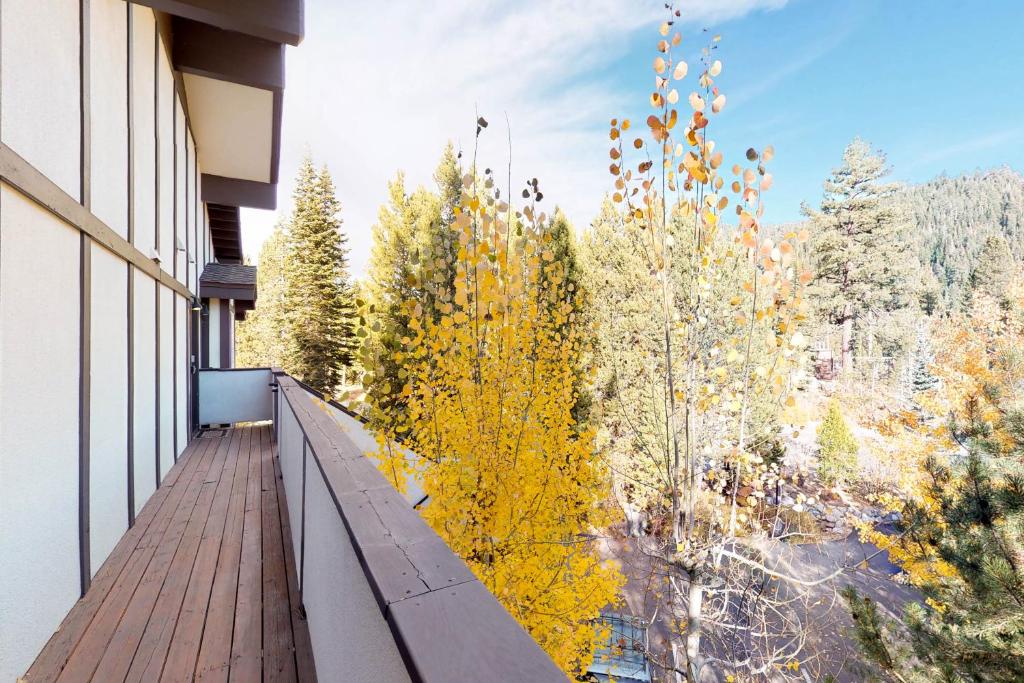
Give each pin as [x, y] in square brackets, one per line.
[937, 85]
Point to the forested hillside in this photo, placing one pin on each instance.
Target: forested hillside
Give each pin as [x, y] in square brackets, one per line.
[954, 217]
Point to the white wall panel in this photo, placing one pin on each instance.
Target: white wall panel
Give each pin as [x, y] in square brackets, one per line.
[144, 409]
[193, 210]
[181, 359]
[108, 468]
[290, 445]
[226, 397]
[39, 67]
[143, 128]
[165, 135]
[213, 351]
[351, 640]
[166, 380]
[39, 373]
[180, 193]
[108, 64]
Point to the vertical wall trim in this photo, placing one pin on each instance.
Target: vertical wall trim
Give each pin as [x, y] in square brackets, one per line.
[156, 321]
[84, 306]
[174, 372]
[84, 408]
[85, 139]
[174, 272]
[225, 333]
[156, 140]
[302, 523]
[131, 394]
[188, 245]
[174, 192]
[157, 226]
[131, 278]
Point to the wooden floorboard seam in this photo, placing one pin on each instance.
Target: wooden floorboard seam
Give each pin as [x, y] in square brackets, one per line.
[130, 578]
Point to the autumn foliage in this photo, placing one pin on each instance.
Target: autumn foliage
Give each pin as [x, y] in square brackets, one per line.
[486, 403]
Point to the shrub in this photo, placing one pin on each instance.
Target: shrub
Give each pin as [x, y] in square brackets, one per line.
[837, 458]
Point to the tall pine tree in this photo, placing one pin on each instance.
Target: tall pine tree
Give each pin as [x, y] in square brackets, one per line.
[318, 297]
[263, 335]
[863, 254]
[413, 257]
[562, 285]
[994, 270]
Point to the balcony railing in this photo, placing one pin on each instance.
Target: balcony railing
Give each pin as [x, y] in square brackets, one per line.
[384, 597]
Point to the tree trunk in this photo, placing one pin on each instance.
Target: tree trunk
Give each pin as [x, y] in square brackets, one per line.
[847, 344]
[695, 600]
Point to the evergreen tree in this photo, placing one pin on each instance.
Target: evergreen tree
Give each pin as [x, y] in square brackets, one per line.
[993, 271]
[837, 458]
[317, 294]
[413, 257]
[961, 538]
[263, 335]
[921, 359]
[861, 248]
[953, 219]
[391, 280]
[562, 285]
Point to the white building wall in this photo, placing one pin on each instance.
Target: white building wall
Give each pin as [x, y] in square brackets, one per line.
[144, 383]
[191, 213]
[181, 193]
[39, 116]
[214, 322]
[181, 360]
[39, 271]
[165, 142]
[108, 469]
[166, 380]
[108, 64]
[39, 373]
[143, 128]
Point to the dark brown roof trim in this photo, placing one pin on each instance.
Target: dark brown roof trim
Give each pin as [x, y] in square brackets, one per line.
[279, 20]
[235, 192]
[209, 51]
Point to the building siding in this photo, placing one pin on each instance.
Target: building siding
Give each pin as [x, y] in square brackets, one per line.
[69, 489]
[108, 476]
[39, 117]
[39, 373]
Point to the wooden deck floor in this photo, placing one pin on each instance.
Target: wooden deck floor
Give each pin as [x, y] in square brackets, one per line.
[202, 587]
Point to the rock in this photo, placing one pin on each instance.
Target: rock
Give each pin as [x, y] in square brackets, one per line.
[894, 517]
[788, 501]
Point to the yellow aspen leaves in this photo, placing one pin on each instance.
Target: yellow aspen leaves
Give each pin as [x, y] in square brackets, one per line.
[515, 486]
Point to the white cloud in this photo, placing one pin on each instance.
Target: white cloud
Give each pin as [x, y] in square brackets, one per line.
[964, 146]
[378, 87]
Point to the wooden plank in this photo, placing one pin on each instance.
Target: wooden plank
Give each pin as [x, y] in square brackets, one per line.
[155, 637]
[89, 647]
[54, 656]
[304, 664]
[247, 641]
[205, 528]
[118, 650]
[209, 604]
[278, 641]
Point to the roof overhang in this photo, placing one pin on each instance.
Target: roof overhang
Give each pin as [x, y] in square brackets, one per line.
[229, 56]
[230, 281]
[281, 21]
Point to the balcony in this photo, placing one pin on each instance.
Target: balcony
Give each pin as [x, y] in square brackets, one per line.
[275, 550]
